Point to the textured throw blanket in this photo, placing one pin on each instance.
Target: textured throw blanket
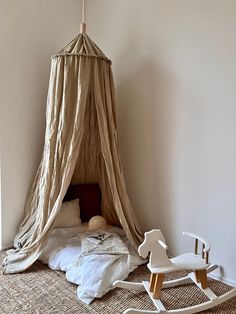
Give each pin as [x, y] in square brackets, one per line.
[113, 244]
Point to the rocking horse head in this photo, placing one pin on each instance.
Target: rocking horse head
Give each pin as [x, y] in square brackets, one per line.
[154, 242]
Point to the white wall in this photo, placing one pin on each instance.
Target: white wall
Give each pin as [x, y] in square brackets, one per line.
[30, 32]
[174, 64]
[175, 71]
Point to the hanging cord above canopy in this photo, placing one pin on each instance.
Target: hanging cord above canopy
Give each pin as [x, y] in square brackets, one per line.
[83, 25]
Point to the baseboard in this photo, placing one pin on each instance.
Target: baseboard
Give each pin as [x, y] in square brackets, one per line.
[225, 280]
[7, 247]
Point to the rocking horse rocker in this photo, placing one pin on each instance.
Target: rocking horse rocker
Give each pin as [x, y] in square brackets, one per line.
[159, 264]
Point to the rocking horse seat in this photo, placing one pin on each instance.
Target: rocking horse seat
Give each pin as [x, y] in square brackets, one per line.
[186, 261]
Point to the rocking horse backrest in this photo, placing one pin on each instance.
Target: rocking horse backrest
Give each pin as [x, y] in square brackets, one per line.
[205, 245]
[154, 242]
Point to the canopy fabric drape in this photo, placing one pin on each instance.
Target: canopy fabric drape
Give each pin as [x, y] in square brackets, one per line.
[81, 146]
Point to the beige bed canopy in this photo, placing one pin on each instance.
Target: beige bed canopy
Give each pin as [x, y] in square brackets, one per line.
[81, 146]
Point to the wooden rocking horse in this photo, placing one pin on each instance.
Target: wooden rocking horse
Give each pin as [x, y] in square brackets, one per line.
[160, 264]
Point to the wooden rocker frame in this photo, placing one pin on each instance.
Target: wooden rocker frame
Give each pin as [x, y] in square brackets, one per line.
[160, 264]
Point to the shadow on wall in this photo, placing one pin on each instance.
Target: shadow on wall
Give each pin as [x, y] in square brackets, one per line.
[146, 128]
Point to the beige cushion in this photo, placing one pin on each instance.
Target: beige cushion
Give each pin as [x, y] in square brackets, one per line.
[69, 215]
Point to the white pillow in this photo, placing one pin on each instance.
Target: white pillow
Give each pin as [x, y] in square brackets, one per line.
[69, 215]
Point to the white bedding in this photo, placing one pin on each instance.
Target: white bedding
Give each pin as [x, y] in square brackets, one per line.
[93, 273]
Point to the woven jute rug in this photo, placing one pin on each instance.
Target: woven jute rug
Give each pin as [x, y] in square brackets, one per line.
[41, 290]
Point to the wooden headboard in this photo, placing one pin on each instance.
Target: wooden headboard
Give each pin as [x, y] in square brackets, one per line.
[89, 196]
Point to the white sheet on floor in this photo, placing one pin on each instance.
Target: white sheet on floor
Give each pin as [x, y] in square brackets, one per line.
[94, 273]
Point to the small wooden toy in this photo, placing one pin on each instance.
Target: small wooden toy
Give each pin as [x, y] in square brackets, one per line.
[160, 264]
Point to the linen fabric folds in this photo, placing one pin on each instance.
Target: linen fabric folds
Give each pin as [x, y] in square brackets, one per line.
[81, 146]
